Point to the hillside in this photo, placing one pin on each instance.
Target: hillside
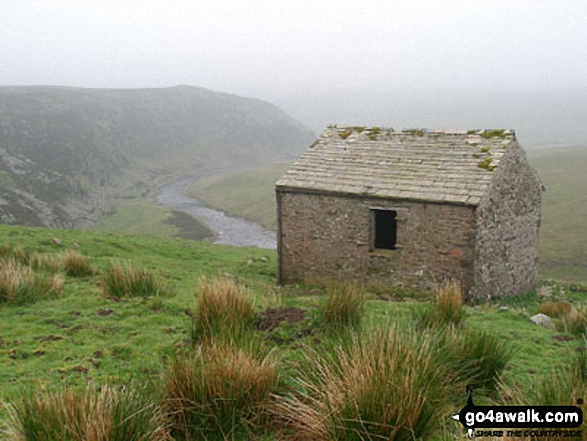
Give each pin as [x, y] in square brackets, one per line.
[61, 144]
[563, 233]
[83, 336]
[563, 243]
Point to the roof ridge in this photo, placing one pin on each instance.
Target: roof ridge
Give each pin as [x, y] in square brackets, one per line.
[331, 129]
[439, 165]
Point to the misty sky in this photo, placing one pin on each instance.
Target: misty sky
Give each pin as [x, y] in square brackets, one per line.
[273, 46]
[321, 60]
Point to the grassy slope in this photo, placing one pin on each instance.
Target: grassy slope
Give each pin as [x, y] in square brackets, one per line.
[74, 339]
[563, 238]
[563, 245]
[68, 334]
[141, 216]
[78, 142]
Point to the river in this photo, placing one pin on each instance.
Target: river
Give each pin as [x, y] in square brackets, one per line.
[228, 230]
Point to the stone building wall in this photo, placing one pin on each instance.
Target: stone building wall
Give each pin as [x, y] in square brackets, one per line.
[331, 236]
[508, 221]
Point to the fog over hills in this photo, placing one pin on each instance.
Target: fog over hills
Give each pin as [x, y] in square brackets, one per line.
[540, 117]
[60, 145]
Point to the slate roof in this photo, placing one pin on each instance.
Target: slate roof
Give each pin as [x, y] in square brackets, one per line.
[439, 166]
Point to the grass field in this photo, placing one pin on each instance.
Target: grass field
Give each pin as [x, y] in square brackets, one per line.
[563, 247]
[83, 337]
[563, 242]
[141, 216]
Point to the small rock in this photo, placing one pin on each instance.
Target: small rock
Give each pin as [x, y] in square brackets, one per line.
[249, 262]
[56, 241]
[545, 291]
[542, 320]
[264, 259]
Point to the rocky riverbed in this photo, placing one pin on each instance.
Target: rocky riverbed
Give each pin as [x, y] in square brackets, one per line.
[228, 230]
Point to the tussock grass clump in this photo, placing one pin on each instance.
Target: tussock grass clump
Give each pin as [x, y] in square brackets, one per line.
[225, 311]
[448, 309]
[476, 358]
[221, 392]
[555, 309]
[75, 265]
[575, 321]
[344, 305]
[45, 262]
[71, 262]
[16, 253]
[106, 415]
[127, 281]
[564, 386]
[385, 385]
[19, 284]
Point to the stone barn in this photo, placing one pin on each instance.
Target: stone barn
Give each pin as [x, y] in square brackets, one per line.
[411, 208]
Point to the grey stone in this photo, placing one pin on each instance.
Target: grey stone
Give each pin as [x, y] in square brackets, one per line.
[542, 320]
[455, 219]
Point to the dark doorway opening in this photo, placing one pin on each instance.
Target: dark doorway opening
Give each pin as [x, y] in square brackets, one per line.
[385, 229]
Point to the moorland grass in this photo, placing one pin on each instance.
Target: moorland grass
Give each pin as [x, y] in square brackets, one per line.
[344, 305]
[71, 262]
[83, 336]
[128, 281]
[575, 321]
[75, 265]
[20, 285]
[474, 358]
[107, 414]
[555, 309]
[385, 385]
[221, 392]
[565, 385]
[447, 310]
[141, 216]
[50, 263]
[225, 311]
[8, 251]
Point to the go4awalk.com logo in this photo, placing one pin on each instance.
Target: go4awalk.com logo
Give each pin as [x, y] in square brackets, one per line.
[520, 421]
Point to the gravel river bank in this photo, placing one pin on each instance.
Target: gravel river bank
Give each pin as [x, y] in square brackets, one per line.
[228, 230]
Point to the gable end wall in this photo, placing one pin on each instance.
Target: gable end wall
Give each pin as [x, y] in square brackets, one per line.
[507, 227]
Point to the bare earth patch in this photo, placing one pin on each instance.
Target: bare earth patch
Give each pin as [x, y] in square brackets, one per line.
[272, 318]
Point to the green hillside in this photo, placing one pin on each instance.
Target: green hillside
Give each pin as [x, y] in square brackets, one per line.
[563, 233]
[61, 144]
[84, 337]
[563, 240]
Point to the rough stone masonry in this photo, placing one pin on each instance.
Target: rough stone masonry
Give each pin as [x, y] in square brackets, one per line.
[412, 209]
